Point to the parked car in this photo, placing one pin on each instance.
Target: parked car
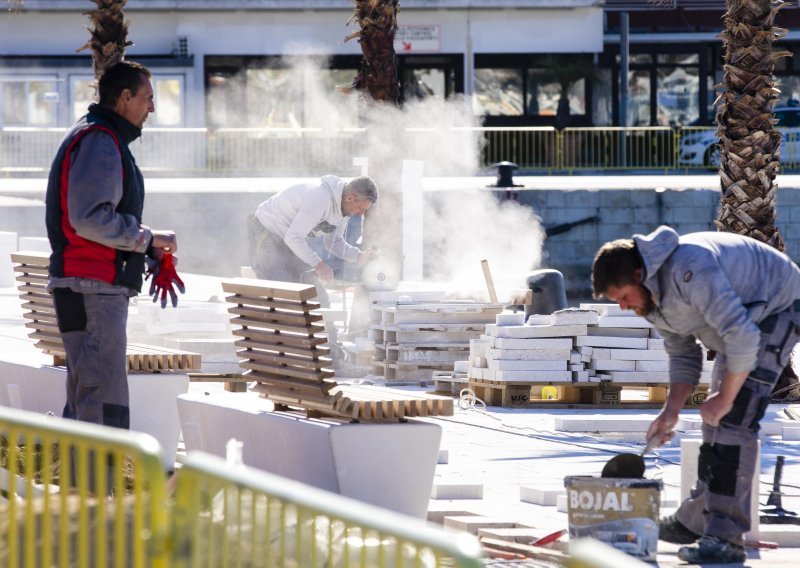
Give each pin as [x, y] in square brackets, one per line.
[698, 145]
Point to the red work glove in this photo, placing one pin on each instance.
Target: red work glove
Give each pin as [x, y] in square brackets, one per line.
[164, 277]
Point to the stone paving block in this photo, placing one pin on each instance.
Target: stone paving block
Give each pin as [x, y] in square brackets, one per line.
[535, 331]
[638, 377]
[619, 331]
[527, 365]
[540, 495]
[790, 433]
[532, 343]
[438, 510]
[600, 423]
[611, 365]
[639, 354]
[607, 341]
[572, 316]
[471, 523]
[623, 321]
[444, 457]
[456, 490]
[652, 366]
[546, 376]
[562, 504]
[603, 309]
[529, 354]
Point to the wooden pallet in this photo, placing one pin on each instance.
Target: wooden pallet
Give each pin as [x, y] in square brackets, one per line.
[527, 394]
[39, 311]
[283, 350]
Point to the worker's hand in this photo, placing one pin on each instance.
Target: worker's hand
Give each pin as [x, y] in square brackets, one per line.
[366, 255]
[323, 271]
[165, 280]
[663, 427]
[714, 408]
[164, 241]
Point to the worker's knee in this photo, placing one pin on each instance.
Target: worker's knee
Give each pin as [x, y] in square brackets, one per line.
[718, 467]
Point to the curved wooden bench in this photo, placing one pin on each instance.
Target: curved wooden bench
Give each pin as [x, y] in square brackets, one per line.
[282, 339]
[39, 310]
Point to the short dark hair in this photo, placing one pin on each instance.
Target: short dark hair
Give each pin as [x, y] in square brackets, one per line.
[120, 76]
[364, 187]
[615, 265]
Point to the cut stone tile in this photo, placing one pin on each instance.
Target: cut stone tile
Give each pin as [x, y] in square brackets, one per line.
[607, 341]
[623, 321]
[529, 354]
[546, 376]
[790, 433]
[535, 331]
[618, 331]
[652, 366]
[611, 365]
[531, 343]
[516, 365]
[438, 510]
[655, 343]
[540, 495]
[604, 309]
[572, 316]
[510, 319]
[444, 457]
[562, 503]
[638, 377]
[600, 423]
[456, 490]
[471, 523]
[639, 354]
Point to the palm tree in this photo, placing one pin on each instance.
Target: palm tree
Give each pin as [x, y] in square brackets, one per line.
[377, 22]
[109, 34]
[748, 140]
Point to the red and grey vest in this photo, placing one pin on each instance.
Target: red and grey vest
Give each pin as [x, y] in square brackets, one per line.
[74, 256]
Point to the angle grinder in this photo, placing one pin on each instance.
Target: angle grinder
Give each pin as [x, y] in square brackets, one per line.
[380, 275]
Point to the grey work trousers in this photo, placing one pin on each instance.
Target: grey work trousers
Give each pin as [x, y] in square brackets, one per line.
[272, 259]
[93, 329]
[719, 505]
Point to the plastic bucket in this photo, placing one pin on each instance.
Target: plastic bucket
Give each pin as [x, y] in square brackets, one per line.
[620, 512]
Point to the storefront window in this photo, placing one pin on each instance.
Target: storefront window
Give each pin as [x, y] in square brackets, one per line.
[638, 98]
[168, 95]
[423, 84]
[543, 97]
[678, 91]
[28, 103]
[82, 94]
[498, 92]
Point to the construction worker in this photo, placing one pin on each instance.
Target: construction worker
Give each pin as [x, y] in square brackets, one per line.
[739, 298]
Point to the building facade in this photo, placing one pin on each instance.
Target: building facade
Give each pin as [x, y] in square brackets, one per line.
[257, 63]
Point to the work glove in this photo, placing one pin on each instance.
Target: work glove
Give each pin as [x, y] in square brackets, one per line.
[165, 280]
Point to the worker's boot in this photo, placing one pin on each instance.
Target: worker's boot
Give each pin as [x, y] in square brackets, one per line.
[712, 550]
[670, 529]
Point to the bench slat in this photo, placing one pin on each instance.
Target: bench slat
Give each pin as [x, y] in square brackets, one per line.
[35, 279]
[280, 382]
[280, 338]
[41, 259]
[278, 326]
[271, 289]
[315, 377]
[275, 358]
[261, 314]
[313, 353]
[304, 307]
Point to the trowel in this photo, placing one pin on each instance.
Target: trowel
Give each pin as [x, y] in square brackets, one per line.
[628, 466]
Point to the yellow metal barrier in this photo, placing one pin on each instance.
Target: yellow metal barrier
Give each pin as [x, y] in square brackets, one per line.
[76, 494]
[611, 148]
[237, 516]
[529, 147]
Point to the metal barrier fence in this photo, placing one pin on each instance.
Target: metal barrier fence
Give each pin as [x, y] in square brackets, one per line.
[237, 516]
[77, 495]
[446, 151]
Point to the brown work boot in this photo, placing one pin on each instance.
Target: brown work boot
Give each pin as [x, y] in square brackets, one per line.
[670, 529]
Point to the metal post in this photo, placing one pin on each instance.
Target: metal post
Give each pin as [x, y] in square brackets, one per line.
[624, 67]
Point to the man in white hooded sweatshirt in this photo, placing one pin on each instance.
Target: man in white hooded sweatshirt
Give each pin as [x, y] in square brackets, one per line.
[284, 223]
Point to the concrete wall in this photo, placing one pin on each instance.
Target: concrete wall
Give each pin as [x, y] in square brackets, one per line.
[212, 236]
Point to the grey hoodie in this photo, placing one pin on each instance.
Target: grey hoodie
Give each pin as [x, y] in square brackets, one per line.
[715, 287]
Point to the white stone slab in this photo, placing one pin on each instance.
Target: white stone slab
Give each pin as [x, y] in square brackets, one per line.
[621, 321]
[396, 473]
[611, 365]
[535, 331]
[529, 354]
[456, 490]
[580, 376]
[533, 343]
[572, 316]
[652, 366]
[790, 433]
[526, 365]
[638, 377]
[510, 318]
[639, 354]
[618, 331]
[541, 494]
[604, 309]
[655, 344]
[608, 341]
[42, 389]
[523, 376]
[562, 503]
[602, 423]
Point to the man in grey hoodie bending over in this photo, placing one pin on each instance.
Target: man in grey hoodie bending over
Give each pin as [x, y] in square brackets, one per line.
[282, 225]
[739, 297]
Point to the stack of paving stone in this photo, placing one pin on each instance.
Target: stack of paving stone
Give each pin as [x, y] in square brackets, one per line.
[416, 337]
[596, 344]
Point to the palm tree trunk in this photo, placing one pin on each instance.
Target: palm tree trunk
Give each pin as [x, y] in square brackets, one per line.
[377, 21]
[749, 141]
[109, 34]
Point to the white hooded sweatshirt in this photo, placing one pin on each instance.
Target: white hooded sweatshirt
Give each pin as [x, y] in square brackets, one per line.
[309, 210]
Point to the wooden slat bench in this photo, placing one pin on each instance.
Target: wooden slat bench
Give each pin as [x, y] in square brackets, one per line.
[281, 335]
[38, 309]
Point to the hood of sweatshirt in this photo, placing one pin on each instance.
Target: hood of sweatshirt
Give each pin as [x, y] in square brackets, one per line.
[655, 249]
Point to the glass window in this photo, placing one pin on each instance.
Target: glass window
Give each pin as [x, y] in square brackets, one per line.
[637, 59]
[602, 114]
[789, 91]
[168, 100]
[28, 102]
[82, 94]
[423, 84]
[498, 92]
[543, 97]
[638, 98]
[678, 58]
[678, 93]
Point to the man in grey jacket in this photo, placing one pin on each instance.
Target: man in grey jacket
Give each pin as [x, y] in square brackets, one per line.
[280, 229]
[739, 298]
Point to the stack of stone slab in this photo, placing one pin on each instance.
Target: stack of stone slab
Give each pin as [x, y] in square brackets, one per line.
[417, 336]
[596, 345]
